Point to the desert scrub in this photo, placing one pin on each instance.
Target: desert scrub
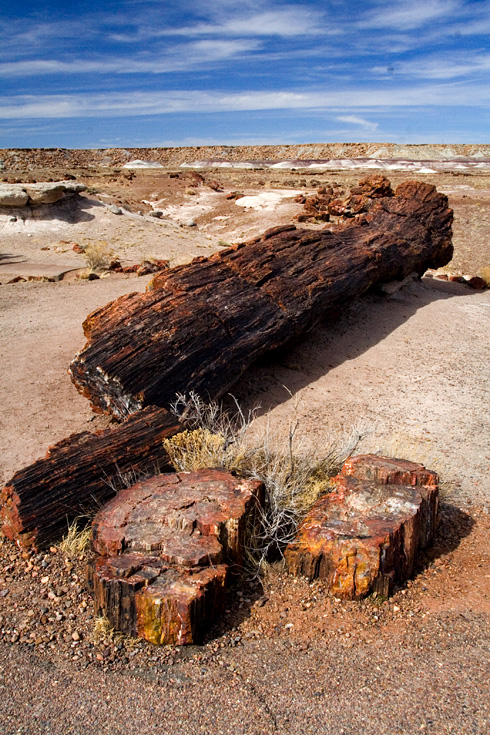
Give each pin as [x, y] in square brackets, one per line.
[293, 476]
[97, 256]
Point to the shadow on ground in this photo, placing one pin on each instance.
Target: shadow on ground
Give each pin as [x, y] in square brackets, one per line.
[335, 339]
[71, 209]
[10, 259]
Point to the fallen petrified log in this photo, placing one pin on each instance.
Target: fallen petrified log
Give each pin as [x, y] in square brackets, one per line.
[364, 536]
[164, 547]
[201, 325]
[81, 472]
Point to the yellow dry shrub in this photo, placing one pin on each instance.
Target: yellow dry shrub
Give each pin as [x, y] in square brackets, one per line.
[485, 274]
[97, 255]
[197, 449]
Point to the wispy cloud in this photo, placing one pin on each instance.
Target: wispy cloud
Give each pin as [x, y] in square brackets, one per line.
[442, 66]
[184, 58]
[287, 22]
[406, 15]
[349, 62]
[195, 101]
[355, 120]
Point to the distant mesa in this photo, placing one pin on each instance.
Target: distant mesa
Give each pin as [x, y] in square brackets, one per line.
[142, 164]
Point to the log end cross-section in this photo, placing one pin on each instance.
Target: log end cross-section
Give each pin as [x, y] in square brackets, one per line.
[164, 549]
[364, 537]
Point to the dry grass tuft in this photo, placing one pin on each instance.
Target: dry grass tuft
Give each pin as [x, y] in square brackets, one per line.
[103, 631]
[77, 540]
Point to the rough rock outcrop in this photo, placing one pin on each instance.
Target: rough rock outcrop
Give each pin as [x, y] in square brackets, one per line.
[364, 536]
[201, 325]
[27, 195]
[79, 472]
[334, 201]
[164, 548]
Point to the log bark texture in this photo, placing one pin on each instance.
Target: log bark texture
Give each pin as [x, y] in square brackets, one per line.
[364, 537]
[80, 472]
[201, 325]
[164, 548]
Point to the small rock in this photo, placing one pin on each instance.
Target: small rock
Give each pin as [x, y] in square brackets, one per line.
[155, 213]
[479, 284]
[190, 223]
[76, 636]
[114, 209]
[4, 593]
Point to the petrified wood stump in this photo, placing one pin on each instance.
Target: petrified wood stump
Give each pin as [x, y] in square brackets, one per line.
[164, 548]
[40, 500]
[364, 536]
[201, 325]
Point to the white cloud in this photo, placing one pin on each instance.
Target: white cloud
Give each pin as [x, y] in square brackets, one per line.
[355, 120]
[184, 57]
[193, 101]
[443, 66]
[410, 14]
[287, 22]
[291, 21]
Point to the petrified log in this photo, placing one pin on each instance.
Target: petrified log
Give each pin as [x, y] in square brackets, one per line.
[164, 547]
[80, 472]
[364, 536]
[201, 325]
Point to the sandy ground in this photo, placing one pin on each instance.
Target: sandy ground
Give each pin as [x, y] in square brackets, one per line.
[411, 369]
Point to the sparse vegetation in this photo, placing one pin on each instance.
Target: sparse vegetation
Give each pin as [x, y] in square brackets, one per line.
[293, 476]
[97, 256]
[76, 541]
[485, 274]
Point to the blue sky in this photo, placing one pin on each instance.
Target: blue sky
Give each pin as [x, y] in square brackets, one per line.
[197, 72]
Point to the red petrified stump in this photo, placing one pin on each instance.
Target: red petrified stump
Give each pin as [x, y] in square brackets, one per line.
[164, 547]
[364, 537]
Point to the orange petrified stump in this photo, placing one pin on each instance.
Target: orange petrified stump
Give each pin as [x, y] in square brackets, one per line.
[364, 536]
[164, 549]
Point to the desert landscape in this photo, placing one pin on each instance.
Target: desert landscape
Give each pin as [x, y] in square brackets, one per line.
[403, 368]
